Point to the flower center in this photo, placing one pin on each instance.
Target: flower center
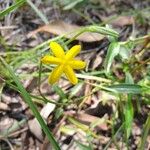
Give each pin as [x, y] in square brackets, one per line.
[64, 61]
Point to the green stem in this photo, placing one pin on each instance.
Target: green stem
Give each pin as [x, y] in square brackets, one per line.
[114, 136]
[136, 40]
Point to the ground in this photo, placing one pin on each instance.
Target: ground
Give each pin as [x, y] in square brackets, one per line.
[84, 116]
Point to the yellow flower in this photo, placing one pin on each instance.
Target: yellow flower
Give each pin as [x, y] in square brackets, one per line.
[66, 62]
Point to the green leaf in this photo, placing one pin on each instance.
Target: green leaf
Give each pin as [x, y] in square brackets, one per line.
[102, 30]
[60, 92]
[68, 4]
[127, 88]
[124, 52]
[58, 113]
[12, 8]
[128, 116]
[38, 12]
[82, 146]
[26, 96]
[78, 124]
[76, 89]
[72, 4]
[94, 28]
[129, 79]
[67, 130]
[129, 113]
[145, 134]
[4, 72]
[110, 38]
[113, 51]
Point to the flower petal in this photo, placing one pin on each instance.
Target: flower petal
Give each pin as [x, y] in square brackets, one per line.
[73, 52]
[55, 75]
[57, 50]
[51, 60]
[70, 75]
[77, 64]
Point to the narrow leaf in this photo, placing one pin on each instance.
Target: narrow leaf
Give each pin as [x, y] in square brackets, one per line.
[60, 92]
[11, 8]
[145, 134]
[124, 52]
[72, 4]
[113, 51]
[127, 88]
[102, 30]
[38, 12]
[28, 100]
[82, 146]
[67, 130]
[76, 89]
[129, 113]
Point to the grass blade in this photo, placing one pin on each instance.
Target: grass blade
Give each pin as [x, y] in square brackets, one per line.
[72, 4]
[39, 13]
[129, 112]
[127, 88]
[145, 134]
[28, 100]
[11, 8]
[102, 30]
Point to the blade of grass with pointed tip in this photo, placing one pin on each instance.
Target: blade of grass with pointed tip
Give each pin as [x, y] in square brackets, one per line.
[72, 4]
[146, 130]
[129, 113]
[102, 30]
[39, 13]
[127, 88]
[11, 8]
[28, 100]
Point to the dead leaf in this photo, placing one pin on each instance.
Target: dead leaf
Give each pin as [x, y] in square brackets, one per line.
[120, 21]
[6, 123]
[4, 106]
[97, 61]
[60, 27]
[34, 125]
[123, 20]
[87, 92]
[89, 119]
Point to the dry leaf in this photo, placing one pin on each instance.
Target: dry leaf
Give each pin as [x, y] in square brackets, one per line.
[123, 20]
[4, 107]
[34, 125]
[61, 27]
[120, 21]
[89, 119]
[6, 123]
[97, 61]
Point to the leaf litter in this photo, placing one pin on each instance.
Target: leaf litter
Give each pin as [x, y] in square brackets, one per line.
[88, 114]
